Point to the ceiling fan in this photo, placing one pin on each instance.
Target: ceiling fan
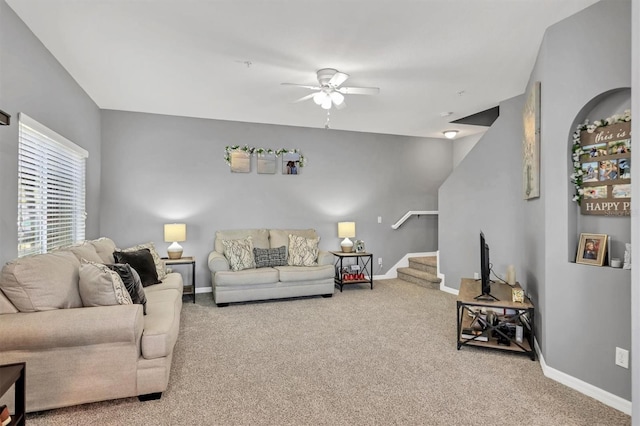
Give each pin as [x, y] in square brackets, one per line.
[329, 92]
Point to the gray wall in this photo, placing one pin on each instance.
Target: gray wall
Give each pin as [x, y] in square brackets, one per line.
[462, 146]
[158, 169]
[32, 81]
[583, 312]
[483, 194]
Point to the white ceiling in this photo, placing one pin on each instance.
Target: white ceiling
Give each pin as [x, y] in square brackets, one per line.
[188, 57]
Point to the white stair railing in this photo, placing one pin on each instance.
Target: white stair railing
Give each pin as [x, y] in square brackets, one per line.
[404, 218]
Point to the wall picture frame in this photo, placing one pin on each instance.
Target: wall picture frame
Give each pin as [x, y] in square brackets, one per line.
[290, 163]
[531, 144]
[240, 162]
[358, 246]
[592, 249]
[266, 163]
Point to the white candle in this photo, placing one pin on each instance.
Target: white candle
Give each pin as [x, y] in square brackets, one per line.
[511, 275]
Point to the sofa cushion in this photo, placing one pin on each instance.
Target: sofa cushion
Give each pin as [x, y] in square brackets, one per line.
[42, 282]
[6, 307]
[161, 324]
[303, 251]
[161, 268]
[173, 281]
[104, 247]
[306, 273]
[239, 253]
[280, 237]
[142, 262]
[85, 250]
[270, 257]
[100, 286]
[132, 283]
[260, 237]
[248, 276]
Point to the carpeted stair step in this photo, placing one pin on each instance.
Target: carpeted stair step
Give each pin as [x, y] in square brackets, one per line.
[421, 278]
[424, 263]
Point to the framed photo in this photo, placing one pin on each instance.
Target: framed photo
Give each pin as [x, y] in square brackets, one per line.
[359, 246]
[531, 144]
[592, 249]
[266, 163]
[290, 163]
[240, 162]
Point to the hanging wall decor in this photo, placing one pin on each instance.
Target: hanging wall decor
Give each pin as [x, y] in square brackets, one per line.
[601, 156]
[238, 158]
[531, 144]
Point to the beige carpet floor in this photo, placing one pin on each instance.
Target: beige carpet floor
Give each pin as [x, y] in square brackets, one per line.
[385, 356]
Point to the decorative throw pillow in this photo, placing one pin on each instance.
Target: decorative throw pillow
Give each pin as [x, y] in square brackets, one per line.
[100, 286]
[161, 268]
[239, 253]
[303, 251]
[132, 283]
[142, 262]
[270, 257]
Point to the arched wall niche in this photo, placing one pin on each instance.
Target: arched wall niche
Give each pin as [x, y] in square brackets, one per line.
[606, 104]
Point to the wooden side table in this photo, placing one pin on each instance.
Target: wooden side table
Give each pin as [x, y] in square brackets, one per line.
[508, 315]
[15, 374]
[363, 259]
[189, 290]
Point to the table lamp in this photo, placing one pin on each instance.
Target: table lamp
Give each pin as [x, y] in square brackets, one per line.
[174, 232]
[346, 230]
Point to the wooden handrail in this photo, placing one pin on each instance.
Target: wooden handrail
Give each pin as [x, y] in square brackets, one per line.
[411, 213]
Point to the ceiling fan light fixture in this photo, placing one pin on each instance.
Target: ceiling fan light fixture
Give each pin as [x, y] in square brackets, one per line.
[450, 134]
[337, 98]
[326, 103]
[319, 97]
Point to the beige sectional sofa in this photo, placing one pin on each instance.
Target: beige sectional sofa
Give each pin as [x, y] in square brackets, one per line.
[269, 282]
[77, 354]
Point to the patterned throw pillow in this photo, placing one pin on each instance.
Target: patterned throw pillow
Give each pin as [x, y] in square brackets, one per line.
[100, 286]
[161, 268]
[270, 257]
[303, 251]
[132, 283]
[239, 253]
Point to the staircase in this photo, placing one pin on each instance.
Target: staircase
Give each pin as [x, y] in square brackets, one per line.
[422, 271]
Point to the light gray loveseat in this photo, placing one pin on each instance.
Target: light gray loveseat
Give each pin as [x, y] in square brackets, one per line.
[268, 282]
[77, 354]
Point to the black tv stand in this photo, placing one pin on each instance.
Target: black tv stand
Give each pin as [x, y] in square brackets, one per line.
[486, 297]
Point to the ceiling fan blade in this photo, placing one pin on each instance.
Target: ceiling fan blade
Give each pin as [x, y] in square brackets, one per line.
[341, 105]
[338, 78]
[306, 86]
[359, 90]
[304, 98]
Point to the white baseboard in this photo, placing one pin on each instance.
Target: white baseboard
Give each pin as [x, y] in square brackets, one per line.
[585, 388]
[204, 290]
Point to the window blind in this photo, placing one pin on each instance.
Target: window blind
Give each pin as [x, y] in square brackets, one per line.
[51, 189]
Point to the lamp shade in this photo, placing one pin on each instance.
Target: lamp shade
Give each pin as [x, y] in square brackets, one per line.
[175, 232]
[346, 229]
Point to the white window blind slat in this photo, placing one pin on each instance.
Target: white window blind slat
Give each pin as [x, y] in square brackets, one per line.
[51, 189]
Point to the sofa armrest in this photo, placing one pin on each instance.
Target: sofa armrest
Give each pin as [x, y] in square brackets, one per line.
[217, 262]
[71, 327]
[325, 258]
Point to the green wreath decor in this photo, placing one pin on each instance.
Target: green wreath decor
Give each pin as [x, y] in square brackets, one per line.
[577, 151]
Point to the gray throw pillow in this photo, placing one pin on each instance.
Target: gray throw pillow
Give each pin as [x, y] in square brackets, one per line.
[270, 257]
[132, 282]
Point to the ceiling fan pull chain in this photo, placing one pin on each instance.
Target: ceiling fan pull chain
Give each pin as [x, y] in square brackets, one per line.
[326, 125]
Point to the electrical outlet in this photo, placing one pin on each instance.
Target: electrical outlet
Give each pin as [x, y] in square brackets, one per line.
[379, 219]
[476, 276]
[622, 357]
[380, 261]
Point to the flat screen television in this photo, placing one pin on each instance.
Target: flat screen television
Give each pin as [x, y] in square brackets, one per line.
[485, 270]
